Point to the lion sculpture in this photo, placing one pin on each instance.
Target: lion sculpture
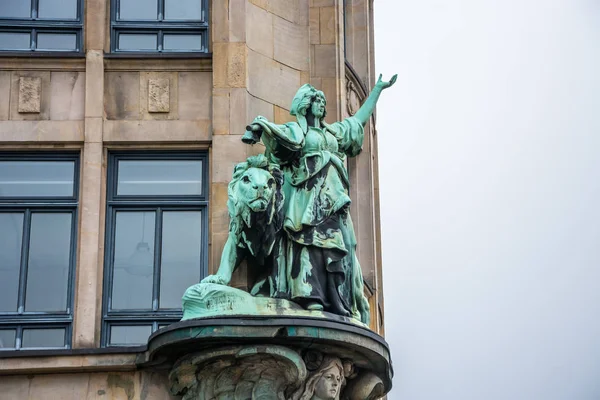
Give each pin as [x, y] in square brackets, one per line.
[256, 215]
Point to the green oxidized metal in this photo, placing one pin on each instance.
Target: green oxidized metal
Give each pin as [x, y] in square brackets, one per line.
[290, 220]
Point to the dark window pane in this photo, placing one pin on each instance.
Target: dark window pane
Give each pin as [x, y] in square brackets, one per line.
[134, 260]
[54, 337]
[36, 178]
[65, 9]
[15, 9]
[11, 237]
[7, 338]
[183, 9]
[168, 177]
[129, 335]
[134, 41]
[138, 9]
[15, 41]
[48, 268]
[180, 262]
[57, 41]
[183, 42]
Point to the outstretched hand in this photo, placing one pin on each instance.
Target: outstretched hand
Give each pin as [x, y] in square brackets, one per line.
[384, 84]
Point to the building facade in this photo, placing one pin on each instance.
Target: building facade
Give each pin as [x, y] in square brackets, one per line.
[120, 125]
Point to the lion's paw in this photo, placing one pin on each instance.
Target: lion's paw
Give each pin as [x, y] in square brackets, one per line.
[218, 279]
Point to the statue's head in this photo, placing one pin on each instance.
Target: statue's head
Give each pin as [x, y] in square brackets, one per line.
[308, 100]
[326, 382]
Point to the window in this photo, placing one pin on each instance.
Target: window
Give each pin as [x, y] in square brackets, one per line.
[156, 241]
[159, 26]
[41, 25]
[38, 215]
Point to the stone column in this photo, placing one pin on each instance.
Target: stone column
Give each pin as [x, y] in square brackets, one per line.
[89, 274]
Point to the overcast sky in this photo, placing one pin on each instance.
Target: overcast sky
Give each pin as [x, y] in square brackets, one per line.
[490, 180]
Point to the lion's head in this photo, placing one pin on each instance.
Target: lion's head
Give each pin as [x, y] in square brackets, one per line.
[256, 201]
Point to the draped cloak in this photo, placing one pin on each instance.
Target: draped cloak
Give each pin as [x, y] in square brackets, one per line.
[319, 240]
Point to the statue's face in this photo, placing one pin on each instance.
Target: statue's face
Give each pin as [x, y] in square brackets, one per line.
[328, 387]
[256, 188]
[318, 107]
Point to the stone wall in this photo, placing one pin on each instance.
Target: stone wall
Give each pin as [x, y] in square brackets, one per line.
[262, 51]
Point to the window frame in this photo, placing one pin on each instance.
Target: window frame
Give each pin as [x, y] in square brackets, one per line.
[35, 25]
[21, 319]
[160, 27]
[153, 203]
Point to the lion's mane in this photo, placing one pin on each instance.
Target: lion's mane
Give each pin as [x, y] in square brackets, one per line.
[256, 231]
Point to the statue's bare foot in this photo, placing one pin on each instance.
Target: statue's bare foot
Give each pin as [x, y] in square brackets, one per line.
[314, 306]
[218, 279]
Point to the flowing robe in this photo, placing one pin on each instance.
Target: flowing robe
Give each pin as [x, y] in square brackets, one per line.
[319, 244]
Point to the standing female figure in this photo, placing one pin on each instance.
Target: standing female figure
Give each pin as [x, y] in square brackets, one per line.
[319, 244]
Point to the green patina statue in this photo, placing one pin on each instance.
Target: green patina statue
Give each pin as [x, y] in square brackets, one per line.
[289, 210]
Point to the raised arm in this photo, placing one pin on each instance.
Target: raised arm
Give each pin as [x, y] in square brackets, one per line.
[366, 110]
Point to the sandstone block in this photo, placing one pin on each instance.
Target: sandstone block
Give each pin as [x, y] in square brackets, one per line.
[122, 95]
[220, 111]
[194, 95]
[272, 81]
[237, 20]
[94, 84]
[324, 61]
[327, 25]
[259, 32]
[67, 95]
[314, 25]
[291, 43]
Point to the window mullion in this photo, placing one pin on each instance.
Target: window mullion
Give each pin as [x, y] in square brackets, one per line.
[33, 39]
[157, 256]
[161, 10]
[24, 261]
[34, 8]
[18, 337]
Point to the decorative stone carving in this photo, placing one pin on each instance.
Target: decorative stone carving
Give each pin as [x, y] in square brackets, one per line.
[158, 95]
[356, 92]
[30, 94]
[353, 99]
[239, 373]
[270, 372]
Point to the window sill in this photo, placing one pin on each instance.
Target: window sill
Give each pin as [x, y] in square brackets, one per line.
[142, 55]
[42, 54]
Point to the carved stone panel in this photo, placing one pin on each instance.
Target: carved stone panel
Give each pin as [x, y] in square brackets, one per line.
[158, 95]
[30, 94]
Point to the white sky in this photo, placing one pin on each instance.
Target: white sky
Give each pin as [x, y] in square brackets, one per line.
[490, 180]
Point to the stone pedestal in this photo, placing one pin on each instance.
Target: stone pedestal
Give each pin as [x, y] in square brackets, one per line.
[270, 357]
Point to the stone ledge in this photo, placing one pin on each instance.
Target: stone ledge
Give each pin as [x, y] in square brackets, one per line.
[165, 131]
[62, 361]
[41, 131]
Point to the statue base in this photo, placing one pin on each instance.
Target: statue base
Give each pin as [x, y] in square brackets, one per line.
[205, 300]
[270, 357]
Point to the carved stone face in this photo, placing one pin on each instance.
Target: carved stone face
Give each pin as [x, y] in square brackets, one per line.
[256, 188]
[318, 107]
[328, 387]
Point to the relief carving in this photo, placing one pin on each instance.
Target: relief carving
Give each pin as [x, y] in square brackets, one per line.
[30, 94]
[158, 95]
